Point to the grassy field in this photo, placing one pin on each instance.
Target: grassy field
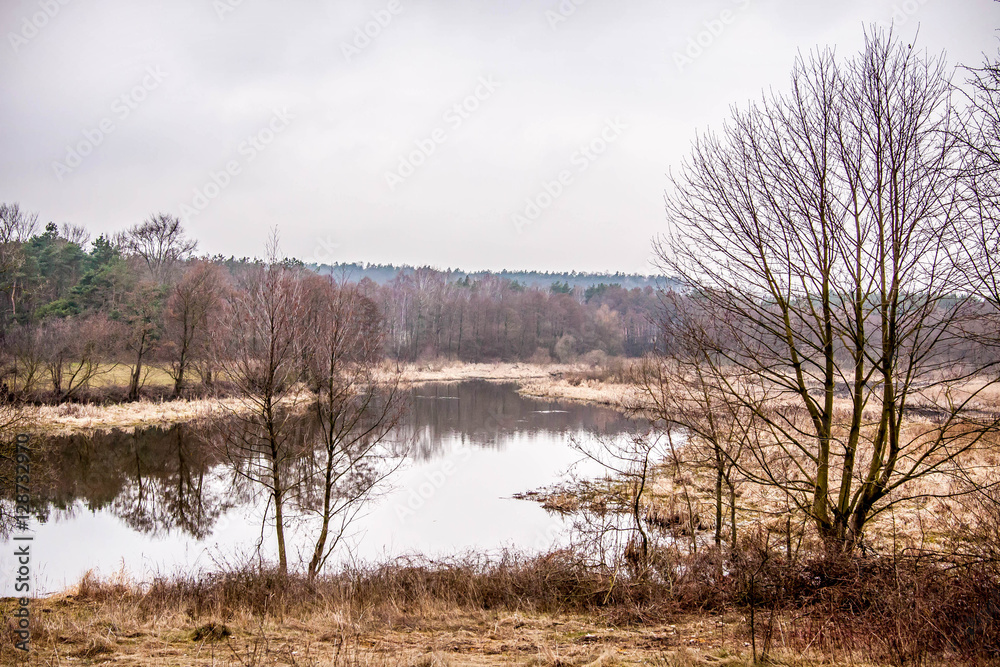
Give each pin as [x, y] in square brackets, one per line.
[120, 376]
[546, 612]
[80, 633]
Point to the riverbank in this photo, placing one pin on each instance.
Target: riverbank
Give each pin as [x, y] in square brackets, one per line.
[576, 382]
[547, 611]
[596, 384]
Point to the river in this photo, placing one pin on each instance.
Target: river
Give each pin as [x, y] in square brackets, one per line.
[158, 502]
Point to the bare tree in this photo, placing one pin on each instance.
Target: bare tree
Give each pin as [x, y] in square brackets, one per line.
[357, 404]
[16, 227]
[75, 352]
[24, 360]
[631, 459]
[980, 251]
[143, 329]
[257, 350]
[70, 352]
[191, 308]
[679, 389]
[77, 234]
[160, 243]
[816, 233]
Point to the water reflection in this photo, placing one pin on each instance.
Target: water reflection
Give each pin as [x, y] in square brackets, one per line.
[164, 497]
[155, 480]
[486, 414]
[162, 480]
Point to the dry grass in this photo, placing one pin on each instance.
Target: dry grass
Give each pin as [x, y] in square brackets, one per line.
[546, 611]
[457, 371]
[76, 417]
[607, 384]
[72, 417]
[604, 384]
[120, 375]
[616, 395]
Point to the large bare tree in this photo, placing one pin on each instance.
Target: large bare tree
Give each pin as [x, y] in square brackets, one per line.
[160, 243]
[815, 233]
[980, 256]
[258, 351]
[357, 404]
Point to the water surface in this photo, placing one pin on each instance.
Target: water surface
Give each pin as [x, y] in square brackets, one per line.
[159, 501]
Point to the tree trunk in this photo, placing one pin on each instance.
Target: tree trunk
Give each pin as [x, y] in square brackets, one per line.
[732, 516]
[718, 503]
[133, 388]
[279, 528]
[182, 362]
[317, 558]
[279, 496]
[179, 381]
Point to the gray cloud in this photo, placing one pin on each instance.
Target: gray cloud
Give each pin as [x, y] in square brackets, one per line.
[324, 176]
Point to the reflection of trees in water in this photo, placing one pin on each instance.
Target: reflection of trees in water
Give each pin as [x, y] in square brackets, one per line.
[163, 480]
[156, 480]
[359, 466]
[179, 489]
[486, 414]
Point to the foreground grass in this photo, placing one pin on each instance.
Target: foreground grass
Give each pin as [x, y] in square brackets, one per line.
[547, 611]
[84, 632]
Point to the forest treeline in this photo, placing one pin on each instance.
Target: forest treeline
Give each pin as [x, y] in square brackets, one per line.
[73, 308]
[385, 273]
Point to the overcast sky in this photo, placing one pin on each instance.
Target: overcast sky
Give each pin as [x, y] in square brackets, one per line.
[482, 135]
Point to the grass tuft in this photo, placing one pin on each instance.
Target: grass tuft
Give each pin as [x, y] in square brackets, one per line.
[211, 632]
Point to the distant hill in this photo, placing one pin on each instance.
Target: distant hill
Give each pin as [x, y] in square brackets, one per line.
[384, 273]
